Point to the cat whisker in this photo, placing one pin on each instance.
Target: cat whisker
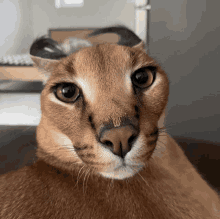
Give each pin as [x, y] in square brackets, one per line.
[77, 162]
[67, 145]
[161, 142]
[143, 179]
[133, 168]
[77, 180]
[112, 183]
[110, 186]
[84, 180]
[168, 126]
[89, 173]
[165, 127]
[127, 181]
[164, 133]
[162, 130]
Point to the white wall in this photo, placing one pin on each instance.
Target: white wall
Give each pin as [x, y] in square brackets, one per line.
[24, 20]
[96, 13]
[16, 30]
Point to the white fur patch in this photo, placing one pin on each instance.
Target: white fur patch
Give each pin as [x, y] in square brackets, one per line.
[128, 83]
[87, 89]
[61, 139]
[67, 153]
[121, 172]
[136, 147]
[119, 169]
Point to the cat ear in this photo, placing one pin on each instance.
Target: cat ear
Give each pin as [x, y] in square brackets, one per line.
[140, 46]
[45, 66]
[45, 53]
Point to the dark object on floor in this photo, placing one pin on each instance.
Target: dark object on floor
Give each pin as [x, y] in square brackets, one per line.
[18, 147]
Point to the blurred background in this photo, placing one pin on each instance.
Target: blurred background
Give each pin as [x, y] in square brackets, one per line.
[183, 38]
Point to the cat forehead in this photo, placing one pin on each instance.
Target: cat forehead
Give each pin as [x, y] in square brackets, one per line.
[101, 58]
[102, 53]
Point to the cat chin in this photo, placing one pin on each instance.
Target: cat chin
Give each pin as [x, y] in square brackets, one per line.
[121, 172]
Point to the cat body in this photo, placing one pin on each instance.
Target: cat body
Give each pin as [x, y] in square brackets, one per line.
[101, 152]
[43, 191]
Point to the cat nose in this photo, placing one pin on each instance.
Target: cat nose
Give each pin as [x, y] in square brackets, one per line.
[119, 140]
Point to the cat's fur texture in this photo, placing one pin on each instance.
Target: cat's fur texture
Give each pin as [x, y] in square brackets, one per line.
[102, 154]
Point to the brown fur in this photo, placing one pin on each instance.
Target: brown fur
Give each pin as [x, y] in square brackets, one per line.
[66, 181]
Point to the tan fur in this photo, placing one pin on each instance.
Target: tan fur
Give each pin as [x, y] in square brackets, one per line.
[77, 177]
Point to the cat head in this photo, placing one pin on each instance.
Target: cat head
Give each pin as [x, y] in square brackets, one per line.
[100, 109]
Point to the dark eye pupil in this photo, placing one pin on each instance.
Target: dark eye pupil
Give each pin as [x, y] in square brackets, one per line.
[144, 77]
[141, 77]
[68, 91]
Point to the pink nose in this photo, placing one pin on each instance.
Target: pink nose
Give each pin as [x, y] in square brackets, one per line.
[119, 140]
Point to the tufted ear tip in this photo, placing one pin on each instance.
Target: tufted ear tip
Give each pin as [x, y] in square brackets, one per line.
[140, 46]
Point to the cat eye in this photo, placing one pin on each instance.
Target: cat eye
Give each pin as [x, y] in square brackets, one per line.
[144, 77]
[67, 92]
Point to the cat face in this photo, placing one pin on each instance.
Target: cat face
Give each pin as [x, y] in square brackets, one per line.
[100, 109]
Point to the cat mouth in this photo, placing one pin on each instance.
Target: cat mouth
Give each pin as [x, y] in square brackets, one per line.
[121, 171]
[123, 165]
